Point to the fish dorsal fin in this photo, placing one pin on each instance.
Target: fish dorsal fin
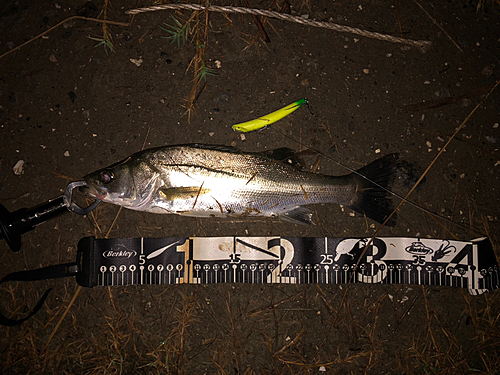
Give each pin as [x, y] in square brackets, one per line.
[182, 193]
[285, 155]
[282, 154]
[221, 148]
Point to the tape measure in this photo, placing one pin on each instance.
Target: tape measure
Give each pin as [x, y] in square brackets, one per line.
[284, 260]
[288, 260]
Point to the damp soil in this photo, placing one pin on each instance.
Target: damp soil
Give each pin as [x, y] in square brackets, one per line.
[69, 107]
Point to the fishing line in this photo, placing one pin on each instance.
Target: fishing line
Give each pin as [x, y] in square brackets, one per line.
[403, 199]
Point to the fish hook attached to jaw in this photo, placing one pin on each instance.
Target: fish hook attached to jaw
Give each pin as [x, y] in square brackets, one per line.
[72, 206]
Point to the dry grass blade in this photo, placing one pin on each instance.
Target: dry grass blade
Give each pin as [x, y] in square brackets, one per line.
[75, 295]
[438, 25]
[62, 23]
[236, 346]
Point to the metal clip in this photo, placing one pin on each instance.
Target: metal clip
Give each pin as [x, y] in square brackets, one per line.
[72, 206]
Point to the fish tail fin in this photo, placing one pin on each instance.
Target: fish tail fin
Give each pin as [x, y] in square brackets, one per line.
[373, 198]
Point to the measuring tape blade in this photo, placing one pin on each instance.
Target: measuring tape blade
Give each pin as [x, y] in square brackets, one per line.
[288, 260]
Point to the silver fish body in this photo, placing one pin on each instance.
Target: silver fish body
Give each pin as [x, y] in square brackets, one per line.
[205, 180]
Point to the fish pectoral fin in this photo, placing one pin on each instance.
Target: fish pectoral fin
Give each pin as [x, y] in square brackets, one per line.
[183, 192]
[299, 215]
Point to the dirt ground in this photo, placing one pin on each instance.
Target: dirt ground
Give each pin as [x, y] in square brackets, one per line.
[69, 106]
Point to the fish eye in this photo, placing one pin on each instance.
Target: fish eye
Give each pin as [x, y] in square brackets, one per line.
[106, 177]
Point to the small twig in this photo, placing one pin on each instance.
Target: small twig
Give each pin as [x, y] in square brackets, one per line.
[259, 24]
[77, 291]
[438, 25]
[63, 22]
[399, 18]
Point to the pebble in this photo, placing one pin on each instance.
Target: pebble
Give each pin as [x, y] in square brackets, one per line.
[487, 71]
[53, 58]
[137, 62]
[66, 153]
[19, 168]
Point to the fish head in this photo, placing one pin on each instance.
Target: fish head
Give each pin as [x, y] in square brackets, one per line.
[114, 184]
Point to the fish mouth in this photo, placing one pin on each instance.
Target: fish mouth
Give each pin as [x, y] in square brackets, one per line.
[92, 191]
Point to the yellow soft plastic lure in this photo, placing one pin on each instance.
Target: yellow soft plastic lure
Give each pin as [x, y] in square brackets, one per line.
[269, 119]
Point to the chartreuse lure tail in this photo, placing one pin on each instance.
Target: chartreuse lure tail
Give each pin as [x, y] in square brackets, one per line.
[269, 119]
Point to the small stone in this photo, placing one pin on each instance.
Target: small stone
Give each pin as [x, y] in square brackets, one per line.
[137, 62]
[53, 58]
[218, 64]
[242, 137]
[366, 71]
[487, 71]
[19, 168]
[211, 134]
[377, 151]
[466, 102]
[66, 153]
[495, 126]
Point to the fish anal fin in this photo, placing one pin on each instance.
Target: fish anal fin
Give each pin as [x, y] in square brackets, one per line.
[299, 215]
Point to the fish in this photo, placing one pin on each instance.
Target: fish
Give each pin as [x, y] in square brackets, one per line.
[203, 180]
